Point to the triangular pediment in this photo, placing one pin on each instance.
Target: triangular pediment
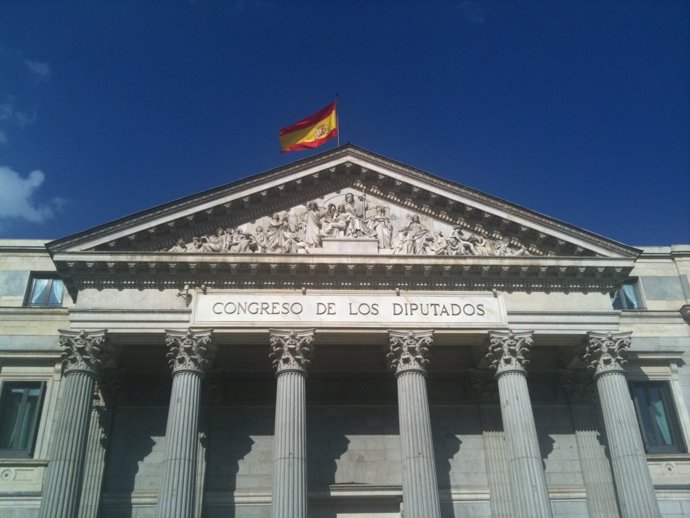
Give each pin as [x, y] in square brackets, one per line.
[344, 201]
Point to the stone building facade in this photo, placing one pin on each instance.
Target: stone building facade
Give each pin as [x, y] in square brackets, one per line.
[345, 336]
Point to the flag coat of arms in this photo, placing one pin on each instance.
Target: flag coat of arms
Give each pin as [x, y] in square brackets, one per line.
[311, 132]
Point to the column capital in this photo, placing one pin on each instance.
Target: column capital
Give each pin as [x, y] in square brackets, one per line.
[409, 350]
[84, 351]
[190, 351]
[508, 350]
[291, 349]
[605, 352]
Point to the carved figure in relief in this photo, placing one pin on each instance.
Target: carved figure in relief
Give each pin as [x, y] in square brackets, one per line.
[357, 223]
[299, 231]
[337, 222]
[382, 227]
[275, 234]
[243, 243]
[417, 239]
[462, 245]
[312, 227]
[196, 245]
[441, 245]
[260, 237]
[333, 224]
[215, 242]
[179, 246]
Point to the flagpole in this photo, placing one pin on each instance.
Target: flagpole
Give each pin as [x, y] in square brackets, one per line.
[337, 108]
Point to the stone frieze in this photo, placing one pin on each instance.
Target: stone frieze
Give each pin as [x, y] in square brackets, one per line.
[351, 222]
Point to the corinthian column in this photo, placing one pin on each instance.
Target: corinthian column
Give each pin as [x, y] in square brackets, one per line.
[408, 358]
[189, 355]
[507, 353]
[634, 486]
[290, 352]
[83, 353]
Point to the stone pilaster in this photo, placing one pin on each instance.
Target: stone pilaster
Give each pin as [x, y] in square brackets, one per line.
[190, 354]
[596, 468]
[408, 359]
[83, 354]
[507, 353]
[605, 355]
[290, 352]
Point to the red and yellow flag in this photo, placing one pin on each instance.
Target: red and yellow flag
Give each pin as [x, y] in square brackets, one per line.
[311, 132]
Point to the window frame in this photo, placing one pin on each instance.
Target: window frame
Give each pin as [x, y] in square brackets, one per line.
[51, 276]
[29, 452]
[673, 418]
[637, 285]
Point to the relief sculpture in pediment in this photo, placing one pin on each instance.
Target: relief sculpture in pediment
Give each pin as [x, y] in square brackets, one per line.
[348, 219]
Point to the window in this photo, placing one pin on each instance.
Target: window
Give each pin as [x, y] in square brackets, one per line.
[45, 290]
[657, 417]
[20, 409]
[627, 296]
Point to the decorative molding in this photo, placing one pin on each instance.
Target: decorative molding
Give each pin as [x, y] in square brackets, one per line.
[605, 352]
[409, 351]
[508, 350]
[291, 350]
[186, 294]
[84, 351]
[190, 350]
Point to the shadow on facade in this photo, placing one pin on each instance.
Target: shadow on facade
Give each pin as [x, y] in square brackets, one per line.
[445, 448]
[134, 433]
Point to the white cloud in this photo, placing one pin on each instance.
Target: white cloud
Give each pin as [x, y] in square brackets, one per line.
[40, 70]
[16, 197]
[8, 112]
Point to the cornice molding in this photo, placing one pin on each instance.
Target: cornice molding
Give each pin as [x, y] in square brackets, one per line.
[82, 270]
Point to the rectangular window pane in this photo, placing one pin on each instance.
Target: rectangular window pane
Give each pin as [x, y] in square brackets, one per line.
[55, 297]
[20, 406]
[627, 296]
[657, 417]
[39, 291]
[45, 290]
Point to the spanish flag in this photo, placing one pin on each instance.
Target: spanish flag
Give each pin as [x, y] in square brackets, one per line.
[311, 132]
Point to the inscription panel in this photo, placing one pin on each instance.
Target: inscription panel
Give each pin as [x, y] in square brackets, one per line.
[370, 310]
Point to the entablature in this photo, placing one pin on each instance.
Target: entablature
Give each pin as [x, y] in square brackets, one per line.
[294, 271]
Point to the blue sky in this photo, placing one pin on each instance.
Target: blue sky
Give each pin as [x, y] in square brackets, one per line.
[579, 110]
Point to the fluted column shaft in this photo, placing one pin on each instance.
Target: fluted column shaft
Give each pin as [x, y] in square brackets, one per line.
[636, 497]
[530, 496]
[178, 487]
[290, 447]
[82, 352]
[290, 352]
[62, 483]
[408, 357]
[94, 464]
[190, 354]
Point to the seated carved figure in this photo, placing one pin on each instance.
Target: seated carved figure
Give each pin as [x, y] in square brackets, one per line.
[357, 223]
